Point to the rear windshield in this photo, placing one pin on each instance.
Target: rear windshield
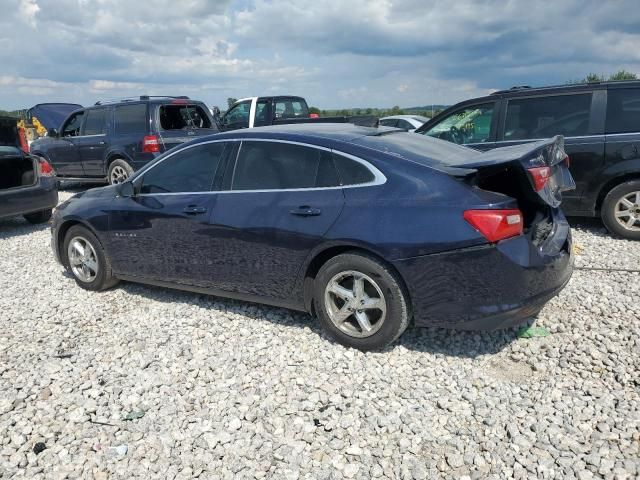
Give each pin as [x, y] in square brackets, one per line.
[180, 117]
[419, 148]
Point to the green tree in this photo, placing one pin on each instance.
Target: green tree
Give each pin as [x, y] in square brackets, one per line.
[231, 101]
[314, 110]
[623, 75]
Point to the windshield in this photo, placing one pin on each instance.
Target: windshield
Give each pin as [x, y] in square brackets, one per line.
[457, 121]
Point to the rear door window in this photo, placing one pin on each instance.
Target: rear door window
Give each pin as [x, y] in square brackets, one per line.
[623, 110]
[389, 122]
[352, 172]
[291, 108]
[183, 117]
[543, 117]
[190, 170]
[131, 119]
[262, 109]
[281, 166]
[96, 122]
[470, 124]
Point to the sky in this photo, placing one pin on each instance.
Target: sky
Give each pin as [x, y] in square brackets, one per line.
[336, 53]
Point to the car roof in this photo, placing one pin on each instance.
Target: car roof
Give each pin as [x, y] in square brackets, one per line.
[407, 117]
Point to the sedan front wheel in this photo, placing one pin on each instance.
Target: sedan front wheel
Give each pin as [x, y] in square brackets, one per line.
[85, 259]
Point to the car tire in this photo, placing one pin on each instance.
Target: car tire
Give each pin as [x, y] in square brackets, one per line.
[386, 318]
[38, 217]
[119, 171]
[85, 259]
[621, 206]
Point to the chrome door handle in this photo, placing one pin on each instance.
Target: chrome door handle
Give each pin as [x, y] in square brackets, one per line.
[194, 210]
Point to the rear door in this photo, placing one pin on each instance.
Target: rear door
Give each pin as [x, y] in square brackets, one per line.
[93, 142]
[534, 118]
[64, 152]
[163, 232]
[181, 121]
[472, 125]
[283, 199]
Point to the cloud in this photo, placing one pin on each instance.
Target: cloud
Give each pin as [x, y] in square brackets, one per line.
[360, 53]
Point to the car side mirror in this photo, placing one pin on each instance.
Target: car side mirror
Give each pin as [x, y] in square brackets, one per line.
[52, 132]
[126, 190]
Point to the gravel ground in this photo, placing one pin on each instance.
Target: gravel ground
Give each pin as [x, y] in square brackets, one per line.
[141, 382]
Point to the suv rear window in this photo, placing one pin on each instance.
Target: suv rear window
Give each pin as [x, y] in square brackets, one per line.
[543, 117]
[179, 117]
[623, 110]
[131, 119]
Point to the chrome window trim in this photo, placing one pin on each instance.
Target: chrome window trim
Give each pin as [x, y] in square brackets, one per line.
[521, 140]
[378, 177]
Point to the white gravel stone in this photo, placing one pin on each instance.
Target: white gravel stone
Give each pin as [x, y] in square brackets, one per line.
[236, 390]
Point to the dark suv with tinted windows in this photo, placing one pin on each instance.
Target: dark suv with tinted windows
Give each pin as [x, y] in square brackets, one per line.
[601, 126]
[109, 141]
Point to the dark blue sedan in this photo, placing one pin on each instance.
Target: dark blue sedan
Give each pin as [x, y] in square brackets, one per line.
[365, 228]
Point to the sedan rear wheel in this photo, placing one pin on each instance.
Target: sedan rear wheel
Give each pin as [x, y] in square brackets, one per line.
[360, 301]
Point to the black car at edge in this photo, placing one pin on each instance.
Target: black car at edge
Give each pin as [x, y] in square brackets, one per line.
[109, 141]
[601, 126]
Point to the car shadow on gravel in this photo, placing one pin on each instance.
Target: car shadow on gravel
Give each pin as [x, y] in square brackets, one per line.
[457, 343]
[18, 226]
[592, 225]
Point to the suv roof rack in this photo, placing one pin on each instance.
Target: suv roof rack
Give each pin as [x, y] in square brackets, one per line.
[141, 97]
[516, 87]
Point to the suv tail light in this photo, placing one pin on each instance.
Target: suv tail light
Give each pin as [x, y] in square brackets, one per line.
[45, 169]
[540, 177]
[24, 144]
[150, 144]
[496, 225]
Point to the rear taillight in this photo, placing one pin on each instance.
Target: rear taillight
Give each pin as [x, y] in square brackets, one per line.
[24, 144]
[496, 225]
[540, 177]
[45, 169]
[150, 144]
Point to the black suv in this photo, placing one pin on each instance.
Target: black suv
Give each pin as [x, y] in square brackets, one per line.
[108, 141]
[601, 126]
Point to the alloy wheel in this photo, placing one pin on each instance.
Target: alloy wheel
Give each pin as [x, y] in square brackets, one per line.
[627, 211]
[83, 259]
[355, 304]
[118, 175]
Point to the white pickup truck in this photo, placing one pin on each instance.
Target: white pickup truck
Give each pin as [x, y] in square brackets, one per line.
[262, 111]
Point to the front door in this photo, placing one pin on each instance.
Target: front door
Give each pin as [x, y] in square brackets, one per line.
[64, 153]
[163, 232]
[535, 118]
[283, 199]
[473, 126]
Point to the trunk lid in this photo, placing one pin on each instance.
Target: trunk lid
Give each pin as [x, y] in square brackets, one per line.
[538, 171]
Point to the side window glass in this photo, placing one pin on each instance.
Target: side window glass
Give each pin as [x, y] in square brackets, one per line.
[623, 110]
[261, 114]
[72, 127]
[238, 116]
[352, 172]
[191, 170]
[287, 108]
[96, 123]
[278, 166]
[390, 122]
[544, 117]
[404, 124]
[130, 119]
[469, 125]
